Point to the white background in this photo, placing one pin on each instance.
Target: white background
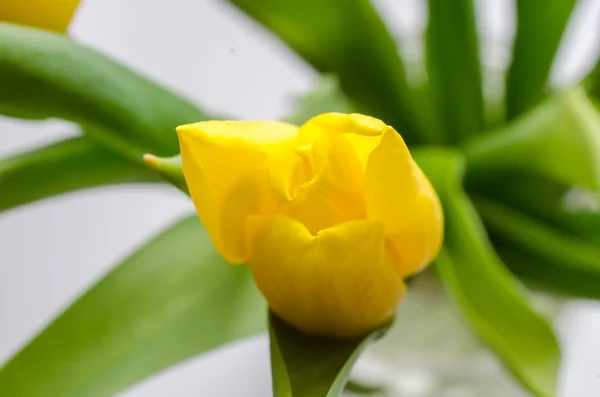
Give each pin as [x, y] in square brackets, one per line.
[209, 52]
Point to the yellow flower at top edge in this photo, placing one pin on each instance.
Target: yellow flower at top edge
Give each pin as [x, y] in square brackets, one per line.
[52, 15]
[330, 216]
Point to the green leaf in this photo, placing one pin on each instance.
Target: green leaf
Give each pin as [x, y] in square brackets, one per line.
[546, 275]
[540, 253]
[488, 296]
[593, 82]
[547, 202]
[309, 366]
[349, 39]
[43, 74]
[453, 68]
[559, 140]
[358, 388]
[63, 167]
[325, 97]
[540, 27]
[172, 300]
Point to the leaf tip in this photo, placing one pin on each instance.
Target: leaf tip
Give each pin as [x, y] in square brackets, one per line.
[150, 160]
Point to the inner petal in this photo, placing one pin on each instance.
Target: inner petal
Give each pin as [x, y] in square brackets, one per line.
[336, 192]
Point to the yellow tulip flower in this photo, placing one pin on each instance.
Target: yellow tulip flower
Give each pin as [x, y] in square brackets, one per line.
[330, 216]
[46, 14]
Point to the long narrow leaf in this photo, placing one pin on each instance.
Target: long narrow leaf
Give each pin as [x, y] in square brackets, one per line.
[308, 366]
[43, 74]
[359, 389]
[173, 299]
[63, 167]
[488, 296]
[558, 140]
[546, 275]
[543, 254]
[546, 202]
[593, 82]
[349, 39]
[540, 26]
[453, 68]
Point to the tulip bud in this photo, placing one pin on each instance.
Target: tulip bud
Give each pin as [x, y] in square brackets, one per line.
[52, 15]
[330, 216]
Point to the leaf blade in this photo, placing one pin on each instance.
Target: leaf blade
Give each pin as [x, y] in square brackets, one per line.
[43, 74]
[543, 254]
[63, 167]
[453, 68]
[546, 201]
[173, 299]
[592, 82]
[488, 296]
[540, 26]
[559, 140]
[366, 60]
[307, 366]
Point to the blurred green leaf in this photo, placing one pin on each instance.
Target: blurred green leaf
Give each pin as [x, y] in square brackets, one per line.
[493, 97]
[309, 366]
[325, 97]
[172, 300]
[63, 167]
[43, 74]
[453, 68]
[488, 296]
[349, 39]
[537, 252]
[540, 27]
[547, 276]
[559, 139]
[532, 194]
[593, 82]
[424, 110]
[546, 201]
[357, 388]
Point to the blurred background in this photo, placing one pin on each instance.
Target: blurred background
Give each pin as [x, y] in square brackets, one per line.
[208, 51]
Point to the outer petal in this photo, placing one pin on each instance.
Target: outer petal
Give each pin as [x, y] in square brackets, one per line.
[339, 283]
[46, 14]
[399, 194]
[234, 169]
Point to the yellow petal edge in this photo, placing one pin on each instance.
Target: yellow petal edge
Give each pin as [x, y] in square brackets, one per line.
[330, 216]
[53, 15]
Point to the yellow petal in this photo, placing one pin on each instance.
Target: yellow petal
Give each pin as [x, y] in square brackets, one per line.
[338, 283]
[400, 196]
[234, 169]
[397, 193]
[46, 14]
[363, 133]
[335, 193]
